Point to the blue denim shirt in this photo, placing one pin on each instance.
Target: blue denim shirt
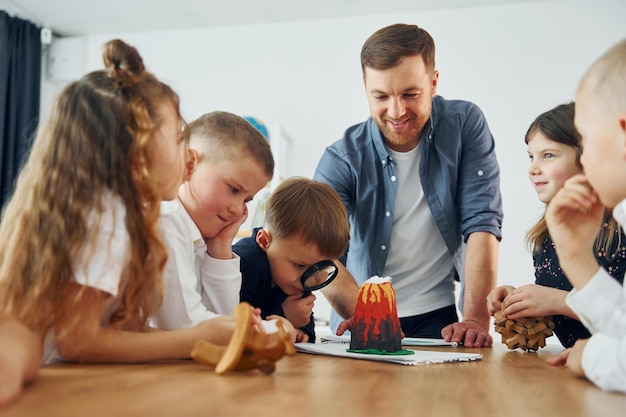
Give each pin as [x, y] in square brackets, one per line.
[459, 174]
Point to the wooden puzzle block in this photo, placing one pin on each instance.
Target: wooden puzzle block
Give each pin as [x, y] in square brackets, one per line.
[528, 333]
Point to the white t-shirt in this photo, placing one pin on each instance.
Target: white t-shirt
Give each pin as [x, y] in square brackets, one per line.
[601, 307]
[196, 287]
[423, 279]
[100, 266]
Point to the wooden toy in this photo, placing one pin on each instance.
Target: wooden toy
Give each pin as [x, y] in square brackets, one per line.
[528, 333]
[248, 349]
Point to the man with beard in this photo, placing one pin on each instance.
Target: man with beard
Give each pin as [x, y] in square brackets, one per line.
[420, 182]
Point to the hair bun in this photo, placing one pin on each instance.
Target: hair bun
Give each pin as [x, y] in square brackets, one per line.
[123, 62]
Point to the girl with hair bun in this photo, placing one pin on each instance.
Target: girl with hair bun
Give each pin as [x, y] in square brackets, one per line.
[80, 253]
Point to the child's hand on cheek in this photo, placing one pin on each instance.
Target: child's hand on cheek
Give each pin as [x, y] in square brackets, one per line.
[298, 310]
[574, 216]
[220, 245]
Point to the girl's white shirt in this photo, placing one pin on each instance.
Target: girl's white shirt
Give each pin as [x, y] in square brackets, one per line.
[100, 264]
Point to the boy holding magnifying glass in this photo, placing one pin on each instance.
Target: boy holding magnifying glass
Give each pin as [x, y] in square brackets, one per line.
[306, 230]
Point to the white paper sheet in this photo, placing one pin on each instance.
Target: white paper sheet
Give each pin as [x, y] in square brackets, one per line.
[418, 357]
[407, 341]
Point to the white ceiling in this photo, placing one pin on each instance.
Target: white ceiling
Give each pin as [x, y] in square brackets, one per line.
[88, 17]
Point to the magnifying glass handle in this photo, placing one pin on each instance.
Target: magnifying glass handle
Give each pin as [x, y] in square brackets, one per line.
[306, 294]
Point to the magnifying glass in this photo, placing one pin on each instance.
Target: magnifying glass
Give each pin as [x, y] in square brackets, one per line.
[318, 276]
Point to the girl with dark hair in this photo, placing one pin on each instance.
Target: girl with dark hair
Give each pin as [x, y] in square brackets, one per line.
[554, 149]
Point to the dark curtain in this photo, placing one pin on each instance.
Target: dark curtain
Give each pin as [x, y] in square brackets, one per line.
[20, 83]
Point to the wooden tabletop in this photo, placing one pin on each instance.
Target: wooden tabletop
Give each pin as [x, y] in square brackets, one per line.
[503, 383]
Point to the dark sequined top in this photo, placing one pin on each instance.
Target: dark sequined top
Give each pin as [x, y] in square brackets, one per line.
[548, 273]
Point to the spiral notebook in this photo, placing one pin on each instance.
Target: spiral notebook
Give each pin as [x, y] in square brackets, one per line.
[407, 341]
[419, 357]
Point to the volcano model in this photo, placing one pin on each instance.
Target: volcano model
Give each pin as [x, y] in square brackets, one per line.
[375, 324]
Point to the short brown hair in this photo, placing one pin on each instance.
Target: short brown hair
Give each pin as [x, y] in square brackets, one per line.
[389, 45]
[221, 135]
[311, 210]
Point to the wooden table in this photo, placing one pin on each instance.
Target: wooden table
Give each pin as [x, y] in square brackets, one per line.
[504, 383]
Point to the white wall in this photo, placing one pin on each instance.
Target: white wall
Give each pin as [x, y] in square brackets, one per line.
[515, 61]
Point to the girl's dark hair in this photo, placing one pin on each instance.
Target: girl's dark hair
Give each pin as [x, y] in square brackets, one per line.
[557, 125]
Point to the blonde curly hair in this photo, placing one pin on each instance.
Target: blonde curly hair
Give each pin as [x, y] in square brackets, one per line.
[96, 145]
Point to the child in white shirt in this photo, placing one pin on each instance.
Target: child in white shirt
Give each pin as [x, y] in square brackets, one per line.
[574, 217]
[230, 161]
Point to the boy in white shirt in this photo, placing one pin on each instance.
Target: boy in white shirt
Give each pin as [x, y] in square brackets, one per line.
[230, 161]
[574, 217]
